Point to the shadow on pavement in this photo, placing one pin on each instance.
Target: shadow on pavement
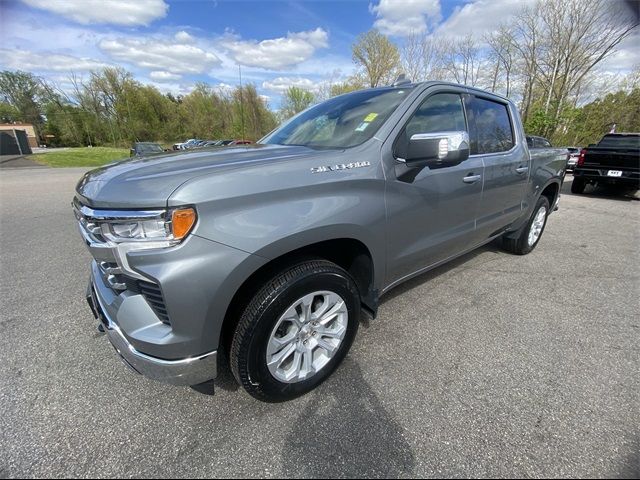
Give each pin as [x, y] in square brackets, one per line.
[345, 431]
[608, 192]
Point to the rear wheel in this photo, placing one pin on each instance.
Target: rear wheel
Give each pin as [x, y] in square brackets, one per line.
[526, 239]
[295, 331]
[577, 185]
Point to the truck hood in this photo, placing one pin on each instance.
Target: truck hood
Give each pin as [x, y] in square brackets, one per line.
[149, 182]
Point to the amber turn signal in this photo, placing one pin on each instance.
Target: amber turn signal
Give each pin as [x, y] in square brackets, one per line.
[182, 221]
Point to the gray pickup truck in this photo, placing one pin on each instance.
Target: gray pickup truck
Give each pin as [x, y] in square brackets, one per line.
[268, 255]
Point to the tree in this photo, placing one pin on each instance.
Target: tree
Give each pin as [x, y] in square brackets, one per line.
[462, 60]
[23, 91]
[423, 56]
[378, 57]
[295, 100]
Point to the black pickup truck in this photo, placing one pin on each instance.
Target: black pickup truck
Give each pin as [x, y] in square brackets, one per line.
[615, 160]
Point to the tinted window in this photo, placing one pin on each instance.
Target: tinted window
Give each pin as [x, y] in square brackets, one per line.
[620, 141]
[442, 112]
[489, 126]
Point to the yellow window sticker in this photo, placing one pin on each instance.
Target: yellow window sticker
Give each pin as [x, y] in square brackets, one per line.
[371, 117]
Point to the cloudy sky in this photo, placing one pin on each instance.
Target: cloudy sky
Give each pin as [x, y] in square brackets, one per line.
[174, 43]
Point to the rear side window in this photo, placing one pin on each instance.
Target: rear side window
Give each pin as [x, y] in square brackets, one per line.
[490, 128]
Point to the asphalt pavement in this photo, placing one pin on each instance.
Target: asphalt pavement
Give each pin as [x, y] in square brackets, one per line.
[494, 365]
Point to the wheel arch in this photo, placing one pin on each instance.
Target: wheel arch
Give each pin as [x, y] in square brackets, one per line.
[350, 253]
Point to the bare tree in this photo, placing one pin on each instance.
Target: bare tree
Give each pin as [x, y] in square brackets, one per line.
[502, 52]
[378, 56]
[462, 60]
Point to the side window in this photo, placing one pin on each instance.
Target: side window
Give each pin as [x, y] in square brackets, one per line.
[442, 112]
[490, 130]
[546, 143]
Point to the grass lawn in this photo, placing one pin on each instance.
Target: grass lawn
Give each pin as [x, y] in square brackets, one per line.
[81, 157]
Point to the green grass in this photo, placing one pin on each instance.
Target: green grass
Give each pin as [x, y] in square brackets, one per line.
[81, 157]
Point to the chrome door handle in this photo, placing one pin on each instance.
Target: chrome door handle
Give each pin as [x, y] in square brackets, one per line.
[471, 178]
[522, 169]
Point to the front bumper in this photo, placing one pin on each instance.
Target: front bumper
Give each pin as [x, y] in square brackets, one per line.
[186, 371]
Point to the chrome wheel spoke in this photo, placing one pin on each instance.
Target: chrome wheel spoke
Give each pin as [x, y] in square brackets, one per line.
[278, 359]
[307, 336]
[338, 308]
[332, 333]
[328, 346]
[276, 344]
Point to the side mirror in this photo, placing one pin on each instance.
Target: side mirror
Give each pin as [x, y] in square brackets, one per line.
[437, 149]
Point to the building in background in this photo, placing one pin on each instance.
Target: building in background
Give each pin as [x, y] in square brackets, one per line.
[27, 127]
[17, 139]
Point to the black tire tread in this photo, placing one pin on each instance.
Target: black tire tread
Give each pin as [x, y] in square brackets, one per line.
[262, 298]
[517, 244]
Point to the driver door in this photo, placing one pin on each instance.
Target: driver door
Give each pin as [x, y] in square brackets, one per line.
[431, 211]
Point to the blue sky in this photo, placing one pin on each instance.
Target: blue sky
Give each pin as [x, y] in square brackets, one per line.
[174, 43]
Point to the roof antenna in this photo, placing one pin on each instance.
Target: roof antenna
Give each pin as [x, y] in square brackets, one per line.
[401, 80]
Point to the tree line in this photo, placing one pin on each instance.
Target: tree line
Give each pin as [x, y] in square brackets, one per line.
[544, 58]
[112, 108]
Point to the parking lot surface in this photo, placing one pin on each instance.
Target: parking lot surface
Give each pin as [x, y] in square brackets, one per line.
[493, 365]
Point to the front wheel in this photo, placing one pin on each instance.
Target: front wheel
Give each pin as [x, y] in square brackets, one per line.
[526, 239]
[295, 331]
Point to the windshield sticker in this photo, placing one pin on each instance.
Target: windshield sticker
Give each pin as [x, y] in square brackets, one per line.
[363, 126]
[371, 117]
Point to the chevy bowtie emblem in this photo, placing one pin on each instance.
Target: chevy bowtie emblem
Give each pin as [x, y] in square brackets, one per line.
[342, 166]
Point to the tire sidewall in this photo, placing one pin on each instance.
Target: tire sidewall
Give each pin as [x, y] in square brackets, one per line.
[258, 371]
[524, 239]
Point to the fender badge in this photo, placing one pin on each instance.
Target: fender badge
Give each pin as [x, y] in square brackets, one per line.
[342, 166]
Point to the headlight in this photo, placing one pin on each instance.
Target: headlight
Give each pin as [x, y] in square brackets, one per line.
[126, 231]
[150, 226]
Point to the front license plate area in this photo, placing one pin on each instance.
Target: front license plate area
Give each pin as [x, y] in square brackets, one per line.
[614, 173]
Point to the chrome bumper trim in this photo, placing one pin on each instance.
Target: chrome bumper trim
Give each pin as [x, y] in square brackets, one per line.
[183, 372]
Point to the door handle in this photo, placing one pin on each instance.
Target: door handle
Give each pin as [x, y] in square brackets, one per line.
[522, 169]
[471, 178]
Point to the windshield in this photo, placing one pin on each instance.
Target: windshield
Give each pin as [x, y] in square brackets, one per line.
[620, 141]
[340, 122]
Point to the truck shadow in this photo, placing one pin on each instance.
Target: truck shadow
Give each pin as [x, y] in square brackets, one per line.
[608, 192]
[345, 431]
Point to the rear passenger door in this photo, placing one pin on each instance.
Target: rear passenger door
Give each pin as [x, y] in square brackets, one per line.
[506, 163]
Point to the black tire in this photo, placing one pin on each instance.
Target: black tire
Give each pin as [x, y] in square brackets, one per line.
[518, 242]
[249, 345]
[577, 185]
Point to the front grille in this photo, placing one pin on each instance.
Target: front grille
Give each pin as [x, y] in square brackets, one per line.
[153, 295]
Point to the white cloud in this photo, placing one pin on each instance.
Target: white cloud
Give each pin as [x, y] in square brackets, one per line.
[160, 54]
[49, 62]
[400, 18]
[625, 58]
[282, 84]
[117, 12]
[276, 53]
[480, 17]
[162, 76]
[184, 37]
